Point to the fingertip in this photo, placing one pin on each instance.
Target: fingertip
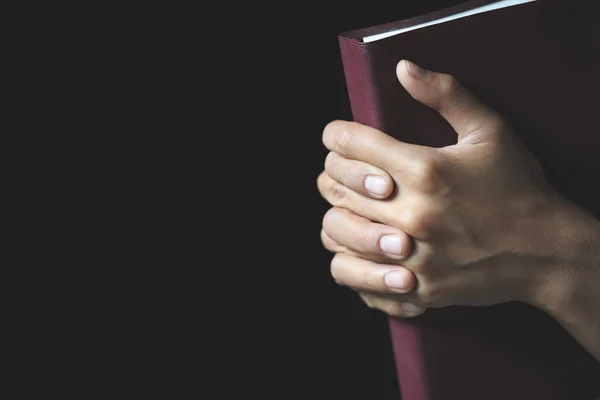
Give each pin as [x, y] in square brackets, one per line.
[402, 71]
[409, 280]
[400, 280]
[416, 71]
[329, 218]
[401, 67]
[398, 244]
[408, 69]
[378, 187]
[320, 180]
[331, 126]
[414, 80]
[411, 310]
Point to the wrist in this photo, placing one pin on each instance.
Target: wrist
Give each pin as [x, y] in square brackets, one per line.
[570, 267]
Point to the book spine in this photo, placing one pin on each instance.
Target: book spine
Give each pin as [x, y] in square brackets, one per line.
[359, 76]
[366, 108]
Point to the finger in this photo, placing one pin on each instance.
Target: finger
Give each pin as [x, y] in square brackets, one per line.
[331, 244]
[394, 307]
[359, 176]
[361, 274]
[365, 237]
[442, 92]
[359, 142]
[339, 195]
[335, 247]
[417, 216]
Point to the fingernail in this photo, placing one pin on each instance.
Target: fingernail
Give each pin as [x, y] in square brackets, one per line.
[391, 244]
[376, 185]
[395, 280]
[415, 71]
[410, 308]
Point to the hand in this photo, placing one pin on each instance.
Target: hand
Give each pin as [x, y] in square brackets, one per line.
[475, 222]
[376, 242]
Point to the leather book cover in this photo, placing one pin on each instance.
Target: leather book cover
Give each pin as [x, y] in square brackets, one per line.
[538, 63]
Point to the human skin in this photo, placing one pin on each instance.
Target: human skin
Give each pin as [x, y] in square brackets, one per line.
[475, 223]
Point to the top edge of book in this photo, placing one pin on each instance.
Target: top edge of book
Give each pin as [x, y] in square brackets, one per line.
[378, 32]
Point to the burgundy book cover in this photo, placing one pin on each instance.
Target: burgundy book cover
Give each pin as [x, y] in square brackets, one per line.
[539, 64]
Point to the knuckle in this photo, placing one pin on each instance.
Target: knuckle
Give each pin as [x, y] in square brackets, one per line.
[343, 139]
[329, 130]
[425, 171]
[493, 124]
[423, 216]
[497, 123]
[426, 174]
[334, 269]
[420, 269]
[329, 219]
[332, 163]
[450, 86]
[338, 194]
[425, 265]
[415, 223]
[429, 294]
[331, 126]
[322, 183]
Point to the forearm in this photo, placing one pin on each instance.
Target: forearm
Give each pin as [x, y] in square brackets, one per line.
[571, 292]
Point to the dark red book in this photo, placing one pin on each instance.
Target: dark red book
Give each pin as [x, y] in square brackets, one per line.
[538, 63]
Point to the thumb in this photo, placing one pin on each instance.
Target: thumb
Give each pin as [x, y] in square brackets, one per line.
[442, 92]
